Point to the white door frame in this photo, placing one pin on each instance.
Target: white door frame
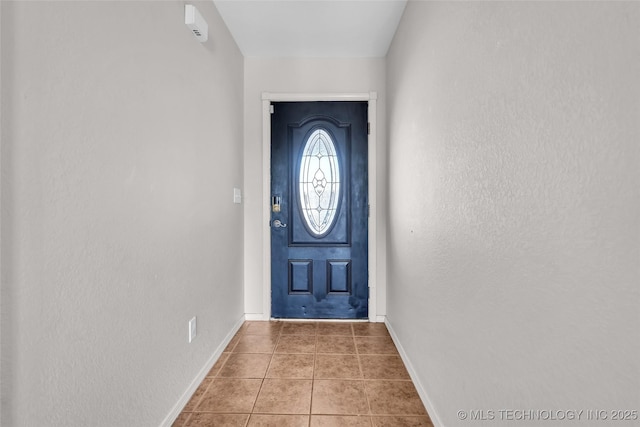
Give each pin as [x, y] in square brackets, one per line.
[267, 99]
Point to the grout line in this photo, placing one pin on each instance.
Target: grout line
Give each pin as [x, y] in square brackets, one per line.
[186, 421]
[203, 394]
[364, 384]
[217, 375]
[313, 374]
[264, 376]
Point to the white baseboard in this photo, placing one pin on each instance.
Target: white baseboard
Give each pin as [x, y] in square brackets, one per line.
[414, 377]
[381, 319]
[184, 399]
[255, 316]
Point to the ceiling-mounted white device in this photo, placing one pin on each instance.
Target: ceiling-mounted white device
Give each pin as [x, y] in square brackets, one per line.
[196, 23]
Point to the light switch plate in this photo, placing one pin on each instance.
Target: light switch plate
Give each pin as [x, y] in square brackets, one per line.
[237, 195]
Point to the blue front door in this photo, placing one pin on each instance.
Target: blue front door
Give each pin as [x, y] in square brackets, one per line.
[319, 210]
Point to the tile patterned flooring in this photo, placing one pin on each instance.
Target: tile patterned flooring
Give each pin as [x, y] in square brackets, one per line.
[307, 374]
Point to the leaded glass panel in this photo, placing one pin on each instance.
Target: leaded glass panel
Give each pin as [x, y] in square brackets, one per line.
[319, 182]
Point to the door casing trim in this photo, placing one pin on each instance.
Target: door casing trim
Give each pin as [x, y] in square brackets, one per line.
[267, 99]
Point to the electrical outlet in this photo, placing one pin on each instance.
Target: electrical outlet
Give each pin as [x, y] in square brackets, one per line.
[192, 329]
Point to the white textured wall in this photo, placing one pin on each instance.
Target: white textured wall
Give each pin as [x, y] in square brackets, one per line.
[302, 76]
[121, 144]
[1, 274]
[514, 209]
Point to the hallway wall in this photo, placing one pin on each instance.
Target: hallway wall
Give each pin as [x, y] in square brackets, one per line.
[323, 75]
[121, 145]
[514, 204]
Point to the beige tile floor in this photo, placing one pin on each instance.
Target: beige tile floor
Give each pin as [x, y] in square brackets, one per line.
[295, 374]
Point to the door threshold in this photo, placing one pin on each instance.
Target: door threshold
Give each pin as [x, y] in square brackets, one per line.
[273, 319]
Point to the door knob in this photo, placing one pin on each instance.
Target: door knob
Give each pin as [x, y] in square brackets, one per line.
[278, 224]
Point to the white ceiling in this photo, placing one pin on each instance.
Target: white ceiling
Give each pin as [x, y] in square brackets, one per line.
[312, 28]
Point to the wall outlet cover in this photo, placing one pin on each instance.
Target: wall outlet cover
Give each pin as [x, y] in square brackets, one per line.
[192, 329]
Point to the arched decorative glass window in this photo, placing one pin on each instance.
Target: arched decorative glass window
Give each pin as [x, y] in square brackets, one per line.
[319, 182]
